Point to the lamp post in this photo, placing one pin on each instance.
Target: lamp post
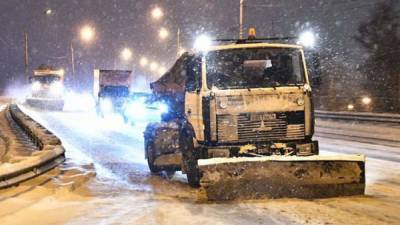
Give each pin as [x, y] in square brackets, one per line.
[241, 19]
[47, 12]
[26, 55]
[126, 54]
[87, 34]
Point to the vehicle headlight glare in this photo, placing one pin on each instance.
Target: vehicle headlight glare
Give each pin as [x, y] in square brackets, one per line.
[56, 88]
[135, 109]
[36, 86]
[163, 108]
[106, 105]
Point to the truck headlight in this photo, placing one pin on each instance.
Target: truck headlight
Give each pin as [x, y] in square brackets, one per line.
[162, 108]
[300, 101]
[36, 86]
[223, 105]
[56, 88]
[136, 109]
[106, 105]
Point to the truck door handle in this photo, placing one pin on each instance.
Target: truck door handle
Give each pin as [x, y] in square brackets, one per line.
[189, 111]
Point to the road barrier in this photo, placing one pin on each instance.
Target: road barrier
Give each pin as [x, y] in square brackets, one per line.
[359, 116]
[49, 155]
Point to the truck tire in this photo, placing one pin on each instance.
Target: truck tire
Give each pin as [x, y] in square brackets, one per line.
[98, 111]
[149, 146]
[189, 158]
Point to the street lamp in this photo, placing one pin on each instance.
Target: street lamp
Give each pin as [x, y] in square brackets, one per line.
[126, 54]
[157, 13]
[144, 61]
[87, 33]
[350, 107]
[163, 33]
[202, 42]
[48, 12]
[307, 39]
[153, 66]
[162, 70]
[366, 100]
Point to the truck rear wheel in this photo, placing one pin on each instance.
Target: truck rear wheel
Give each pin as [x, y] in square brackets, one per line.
[190, 157]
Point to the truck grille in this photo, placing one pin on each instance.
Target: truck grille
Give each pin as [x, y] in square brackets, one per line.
[253, 127]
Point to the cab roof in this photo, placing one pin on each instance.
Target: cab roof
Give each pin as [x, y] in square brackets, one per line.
[250, 45]
[48, 72]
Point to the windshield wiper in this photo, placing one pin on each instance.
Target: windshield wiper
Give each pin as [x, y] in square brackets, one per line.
[296, 84]
[275, 84]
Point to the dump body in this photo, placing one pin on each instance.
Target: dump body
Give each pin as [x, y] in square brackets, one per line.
[47, 88]
[241, 126]
[111, 90]
[110, 78]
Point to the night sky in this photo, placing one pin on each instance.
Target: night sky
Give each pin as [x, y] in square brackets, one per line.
[127, 23]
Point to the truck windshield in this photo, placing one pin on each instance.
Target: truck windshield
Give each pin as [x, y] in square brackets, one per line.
[254, 68]
[45, 79]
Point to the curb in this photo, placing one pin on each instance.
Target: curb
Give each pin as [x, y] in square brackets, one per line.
[50, 154]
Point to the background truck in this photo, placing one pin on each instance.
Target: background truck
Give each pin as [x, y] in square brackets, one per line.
[111, 91]
[47, 88]
[241, 124]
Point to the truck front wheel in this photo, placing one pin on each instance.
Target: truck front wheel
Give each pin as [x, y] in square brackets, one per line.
[149, 147]
[190, 157]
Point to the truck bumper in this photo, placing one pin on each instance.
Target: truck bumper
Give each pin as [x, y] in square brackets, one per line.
[299, 148]
[46, 103]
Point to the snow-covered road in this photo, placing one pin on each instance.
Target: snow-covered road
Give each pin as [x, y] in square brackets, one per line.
[124, 191]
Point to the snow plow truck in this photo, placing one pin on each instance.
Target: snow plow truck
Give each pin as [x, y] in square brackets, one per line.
[111, 91]
[240, 125]
[47, 88]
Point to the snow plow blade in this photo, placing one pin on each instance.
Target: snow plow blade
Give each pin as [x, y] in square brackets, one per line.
[49, 104]
[282, 176]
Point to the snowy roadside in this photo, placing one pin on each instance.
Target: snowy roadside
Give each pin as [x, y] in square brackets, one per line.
[387, 135]
[30, 150]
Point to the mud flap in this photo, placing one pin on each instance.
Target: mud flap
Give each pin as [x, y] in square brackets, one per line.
[282, 176]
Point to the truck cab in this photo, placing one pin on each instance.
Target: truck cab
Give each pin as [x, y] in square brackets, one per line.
[47, 88]
[231, 100]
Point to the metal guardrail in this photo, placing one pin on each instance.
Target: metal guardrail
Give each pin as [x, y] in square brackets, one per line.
[359, 116]
[50, 154]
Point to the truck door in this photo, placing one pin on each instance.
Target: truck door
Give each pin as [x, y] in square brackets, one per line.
[193, 98]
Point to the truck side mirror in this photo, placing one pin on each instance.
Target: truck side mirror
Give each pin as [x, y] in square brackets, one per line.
[314, 68]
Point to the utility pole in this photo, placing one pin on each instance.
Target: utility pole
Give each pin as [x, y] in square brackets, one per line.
[178, 44]
[73, 60]
[26, 55]
[241, 20]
